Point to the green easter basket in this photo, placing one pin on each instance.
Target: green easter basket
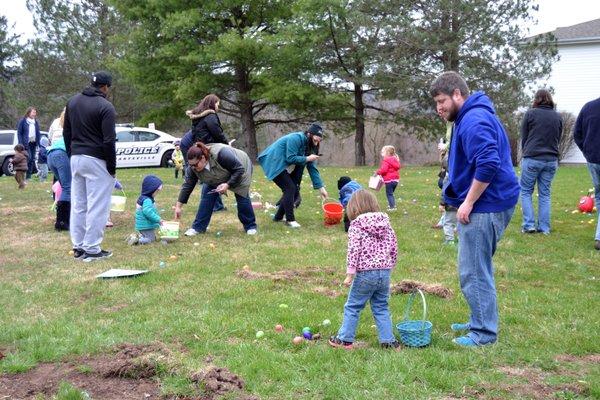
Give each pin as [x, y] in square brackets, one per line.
[169, 230]
[415, 333]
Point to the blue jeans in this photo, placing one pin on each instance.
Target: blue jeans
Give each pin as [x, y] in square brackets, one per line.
[542, 172]
[476, 246]
[207, 203]
[59, 164]
[147, 236]
[595, 173]
[390, 187]
[373, 286]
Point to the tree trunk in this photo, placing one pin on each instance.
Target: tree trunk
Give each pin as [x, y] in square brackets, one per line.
[359, 123]
[246, 116]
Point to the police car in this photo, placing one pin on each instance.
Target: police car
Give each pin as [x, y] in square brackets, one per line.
[143, 147]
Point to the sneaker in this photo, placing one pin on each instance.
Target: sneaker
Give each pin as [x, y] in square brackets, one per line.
[133, 239]
[88, 257]
[78, 253]
[191, 232]
[395, 345]
[597, 245]
[109, 224]
[334, 341]
[528, 230]
[436, 226]
[392, 209]
[465, 341]
[251, 232]
[459, 327]
[292, 224]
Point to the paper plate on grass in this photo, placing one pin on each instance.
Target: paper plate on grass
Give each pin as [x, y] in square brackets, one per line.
[121, 273]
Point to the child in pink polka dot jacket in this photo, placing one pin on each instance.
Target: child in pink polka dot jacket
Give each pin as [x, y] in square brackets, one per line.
[372, 253]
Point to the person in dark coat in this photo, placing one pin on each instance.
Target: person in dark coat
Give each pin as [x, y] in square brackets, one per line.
[587, 138]
[206, 128]
[28, 134]
[540, 135]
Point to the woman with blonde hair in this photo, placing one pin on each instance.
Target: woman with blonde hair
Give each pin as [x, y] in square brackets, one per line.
[389, 170]
[59, 164]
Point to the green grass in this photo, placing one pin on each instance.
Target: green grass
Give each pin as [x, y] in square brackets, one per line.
[52, 307]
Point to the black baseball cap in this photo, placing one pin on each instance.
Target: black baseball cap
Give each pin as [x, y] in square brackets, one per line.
[315, 129]
[101, 78]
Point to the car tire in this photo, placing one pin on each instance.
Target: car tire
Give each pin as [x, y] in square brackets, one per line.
[164, 161]
[7, 167]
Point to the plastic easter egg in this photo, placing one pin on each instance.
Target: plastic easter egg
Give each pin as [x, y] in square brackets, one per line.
[307, 335]
[306, 329]
[326, 322]
[260, 334]
[282, 305]
[162, 264]
[298, 340]
[278, 328]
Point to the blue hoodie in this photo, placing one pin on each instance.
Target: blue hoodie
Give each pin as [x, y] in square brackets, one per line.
[146, 216]
[480, 150]
[347, 191]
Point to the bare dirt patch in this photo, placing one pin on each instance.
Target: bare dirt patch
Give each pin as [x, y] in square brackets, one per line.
[310, 275]
[129, 372]
[217, 382]
[408, 286]
[587, 359]
[532, 383]
[331, 293]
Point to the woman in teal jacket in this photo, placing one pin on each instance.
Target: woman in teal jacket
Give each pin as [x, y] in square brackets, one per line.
[288, 153]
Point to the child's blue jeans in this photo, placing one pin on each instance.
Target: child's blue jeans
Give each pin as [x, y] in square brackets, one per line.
[373, 286]
[390, 188]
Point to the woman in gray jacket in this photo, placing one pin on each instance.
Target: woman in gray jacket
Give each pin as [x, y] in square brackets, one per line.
[541, 130]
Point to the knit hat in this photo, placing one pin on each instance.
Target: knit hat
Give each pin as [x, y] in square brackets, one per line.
[101, 78]
[315, 129]
[343, 181]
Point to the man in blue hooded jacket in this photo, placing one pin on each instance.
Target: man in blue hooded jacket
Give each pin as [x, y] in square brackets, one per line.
[483, 186]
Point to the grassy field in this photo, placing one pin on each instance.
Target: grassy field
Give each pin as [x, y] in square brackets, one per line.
[205, 310]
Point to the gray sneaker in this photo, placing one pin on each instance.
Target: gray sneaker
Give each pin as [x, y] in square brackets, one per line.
[88, 257]
[132, 239]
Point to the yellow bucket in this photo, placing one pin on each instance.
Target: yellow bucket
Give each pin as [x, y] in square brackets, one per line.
[117, 203]
[169, 230]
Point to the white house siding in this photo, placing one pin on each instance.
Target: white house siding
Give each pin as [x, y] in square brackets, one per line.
[576, 80]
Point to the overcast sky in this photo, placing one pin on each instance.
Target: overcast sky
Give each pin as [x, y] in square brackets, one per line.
[551, 15]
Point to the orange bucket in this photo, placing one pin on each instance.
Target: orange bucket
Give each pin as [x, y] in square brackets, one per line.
[333, 213]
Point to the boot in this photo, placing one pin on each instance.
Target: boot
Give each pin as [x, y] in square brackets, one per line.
[63, 215]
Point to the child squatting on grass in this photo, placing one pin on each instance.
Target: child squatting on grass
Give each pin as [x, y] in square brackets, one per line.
[147, 218]
[372, 253]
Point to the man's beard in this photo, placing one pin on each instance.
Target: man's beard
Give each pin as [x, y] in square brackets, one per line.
[453, 112]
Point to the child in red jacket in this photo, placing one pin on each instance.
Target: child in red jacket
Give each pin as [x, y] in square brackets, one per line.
[389, 170]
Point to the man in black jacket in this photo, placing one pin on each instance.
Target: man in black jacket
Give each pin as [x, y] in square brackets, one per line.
[89, 133]
[587, 137]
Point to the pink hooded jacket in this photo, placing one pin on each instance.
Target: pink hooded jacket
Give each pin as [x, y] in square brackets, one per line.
[371, 243]
[389, 169]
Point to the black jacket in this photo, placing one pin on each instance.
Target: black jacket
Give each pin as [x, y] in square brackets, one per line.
[89, 127]
[587, 131]
[206, 128]
[541, 130]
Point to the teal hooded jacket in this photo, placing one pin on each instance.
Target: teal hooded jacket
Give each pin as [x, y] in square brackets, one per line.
[285, 151]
